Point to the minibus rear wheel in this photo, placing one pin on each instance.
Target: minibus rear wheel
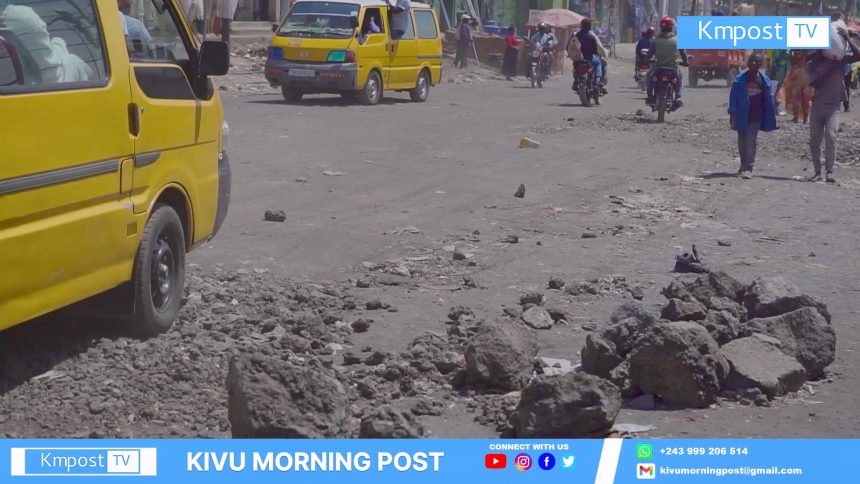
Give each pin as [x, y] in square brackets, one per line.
[159, 273]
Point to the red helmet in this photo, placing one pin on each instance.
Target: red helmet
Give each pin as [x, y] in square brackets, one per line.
[585, 24]
[667, 22]
[651, 31]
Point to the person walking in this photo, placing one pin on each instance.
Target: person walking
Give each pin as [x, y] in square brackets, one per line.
[227, 11]
[798, 92]
[779, 66]
[829, 84]
[512, 54]
[751, 109]
[464, 41]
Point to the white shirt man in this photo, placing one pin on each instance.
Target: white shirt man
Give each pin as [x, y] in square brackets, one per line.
[399, 17]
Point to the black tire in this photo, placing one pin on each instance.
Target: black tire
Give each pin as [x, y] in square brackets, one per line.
[371, 94]
[421, 90]
[532, 78]
[694, 78]
[158, 280]
[291, 95]
[661, 109]
[540, 77]
[583, 95]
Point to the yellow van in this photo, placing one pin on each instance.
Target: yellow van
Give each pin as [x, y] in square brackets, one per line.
[346, 47]
[113, 158]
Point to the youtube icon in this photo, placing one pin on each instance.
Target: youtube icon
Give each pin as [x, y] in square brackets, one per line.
[495, 461]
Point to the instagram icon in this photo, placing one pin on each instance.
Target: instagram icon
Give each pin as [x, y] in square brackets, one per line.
[523, 462]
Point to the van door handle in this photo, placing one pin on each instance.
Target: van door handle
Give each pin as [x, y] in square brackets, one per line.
[133, 119]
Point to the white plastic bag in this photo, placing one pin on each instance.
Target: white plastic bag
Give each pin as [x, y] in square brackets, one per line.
[838, 47]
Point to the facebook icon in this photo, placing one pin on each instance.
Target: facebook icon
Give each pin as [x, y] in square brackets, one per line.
[546, 461]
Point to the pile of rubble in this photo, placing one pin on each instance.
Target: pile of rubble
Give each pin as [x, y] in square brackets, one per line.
[714, 336]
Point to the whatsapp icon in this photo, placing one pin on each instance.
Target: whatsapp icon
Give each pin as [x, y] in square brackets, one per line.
[643, 451]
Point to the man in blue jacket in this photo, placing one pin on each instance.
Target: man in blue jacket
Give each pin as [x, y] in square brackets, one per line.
[751, 109]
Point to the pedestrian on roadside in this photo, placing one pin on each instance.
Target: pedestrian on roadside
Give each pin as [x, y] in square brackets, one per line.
[227, 12]
[464, 41]
[512, 54]
[779, 66]
[798, 92]
[751, 109]
[829, 86]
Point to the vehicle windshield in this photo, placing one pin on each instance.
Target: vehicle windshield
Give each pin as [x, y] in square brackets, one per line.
[319, 19]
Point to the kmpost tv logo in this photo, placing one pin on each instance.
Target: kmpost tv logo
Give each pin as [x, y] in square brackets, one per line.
[83, 461]
[752, 32]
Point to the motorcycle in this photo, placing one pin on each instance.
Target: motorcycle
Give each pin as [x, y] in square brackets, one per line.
[540, 63]
[642, 68]
[665, 82]
[585, 83]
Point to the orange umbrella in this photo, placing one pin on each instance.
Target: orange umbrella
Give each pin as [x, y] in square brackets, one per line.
[557, 18]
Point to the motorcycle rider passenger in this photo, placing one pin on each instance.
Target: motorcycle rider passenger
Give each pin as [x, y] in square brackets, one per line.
[542, 39]
[644, 45]
[592, 50]
[665, 52]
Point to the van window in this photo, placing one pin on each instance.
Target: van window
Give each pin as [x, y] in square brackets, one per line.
[410, 29]
[426, 25]
[47, 43]
[374, 15]
[151, 34]
[320, 20]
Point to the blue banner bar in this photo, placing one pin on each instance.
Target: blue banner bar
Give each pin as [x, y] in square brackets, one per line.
[429, 461]
[750, 32]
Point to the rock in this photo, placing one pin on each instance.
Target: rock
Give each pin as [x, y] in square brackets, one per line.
[538, 318]
[762, 401]
[804, 334]
[638, 293]
[620, 377]
[395, 280]
[556, 282]
[678, 310]
[599, 355]
[767, 297]
[511, 239]
[757, 361]
[680, 362]
[588, 234]
[521, 191]
[377, 358]
[572, 405]
[512, 312]
[532, 297]
[350, 358]
[375, 305]
[559, 314]
[723, 326]
[636, 310]
[724, 242]
[643, 402]
[705, 286]
[430, 351]
[460, 314]
[363, 283]
[387, 423]
[459, 255]
[589, 326]
[725, 304]
[499, 355]
[270, 398]
[528, 143]
[554, 366]
[274, 216]
[360, 325]
[625, 334]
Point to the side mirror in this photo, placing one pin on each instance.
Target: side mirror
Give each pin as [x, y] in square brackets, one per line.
[353, 22]
[214, 58]
[274, 28]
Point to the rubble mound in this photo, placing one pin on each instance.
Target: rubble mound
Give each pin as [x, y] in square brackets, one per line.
[500, 355]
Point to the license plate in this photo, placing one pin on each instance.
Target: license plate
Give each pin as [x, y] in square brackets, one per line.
[302, 72]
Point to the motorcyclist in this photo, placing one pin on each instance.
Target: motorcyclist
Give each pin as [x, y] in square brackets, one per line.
[644, 44]
[665, 52]
[592, 50]
[542, 39]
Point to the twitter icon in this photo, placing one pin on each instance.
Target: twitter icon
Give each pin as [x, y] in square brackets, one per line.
[567, 461]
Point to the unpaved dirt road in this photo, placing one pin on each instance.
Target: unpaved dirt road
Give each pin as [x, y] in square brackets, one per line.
[356, 181]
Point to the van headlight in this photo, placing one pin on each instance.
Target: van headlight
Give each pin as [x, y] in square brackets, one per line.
[225, 135]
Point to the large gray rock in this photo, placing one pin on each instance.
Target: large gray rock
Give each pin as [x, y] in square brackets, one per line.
[772, 296]
[387, 423]
[636, 310]
[681, 363]
[537, 318]
[500, 355]
[431, 351]
[270, 398]
[716, 284]
[725, 304]
[723, 326]
[566, 406]
[684, 310]
[599, 355]
[757, 361]
[804, 334]
[625, 333]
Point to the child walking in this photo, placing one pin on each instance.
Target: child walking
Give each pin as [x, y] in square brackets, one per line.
[751, 109]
